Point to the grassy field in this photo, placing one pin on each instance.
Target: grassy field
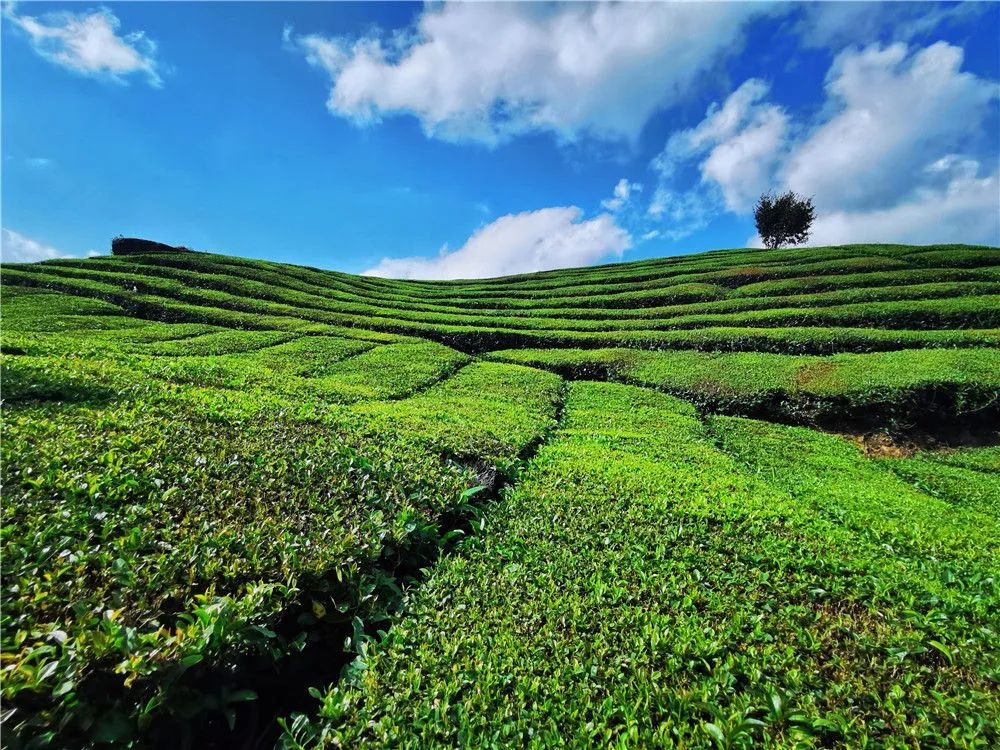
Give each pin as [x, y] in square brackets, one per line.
[250, 504]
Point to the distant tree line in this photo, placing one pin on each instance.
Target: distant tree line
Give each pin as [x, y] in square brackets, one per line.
[136, 246]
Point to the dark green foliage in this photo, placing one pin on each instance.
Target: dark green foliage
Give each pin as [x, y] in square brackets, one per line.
[643, 588]
[784, 219]
[136, 246]
[454, 419]
[965, 478]
[174, 539]
[918, 386]
[192, 523]
[230, 485]
[686, 304]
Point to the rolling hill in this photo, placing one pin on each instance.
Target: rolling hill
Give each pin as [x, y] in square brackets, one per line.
[740, 498]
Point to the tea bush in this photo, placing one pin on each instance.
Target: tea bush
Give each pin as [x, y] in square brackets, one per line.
[642, 587]
[237, 491]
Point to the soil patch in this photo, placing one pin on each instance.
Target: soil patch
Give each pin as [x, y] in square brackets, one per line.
[886, 444]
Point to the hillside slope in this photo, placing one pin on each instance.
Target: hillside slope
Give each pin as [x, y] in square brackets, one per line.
[587, 506]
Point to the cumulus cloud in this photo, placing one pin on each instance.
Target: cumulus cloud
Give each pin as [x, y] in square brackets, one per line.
[741, 141]
[88, 43]
[741, 166]
[681, 212]
[736, 147]
[891, 109]
[896, 153]
[963, 210]
[16, 248]
[518, 243]
[719, 124]
[835, 24]
[621, 195]
[488, 71]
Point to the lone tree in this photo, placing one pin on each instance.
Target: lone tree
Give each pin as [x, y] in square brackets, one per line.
[783, 220]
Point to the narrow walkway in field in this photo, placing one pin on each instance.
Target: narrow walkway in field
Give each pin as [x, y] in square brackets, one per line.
[642, 588]
[488, 417]
[389, 371]
[950, 394]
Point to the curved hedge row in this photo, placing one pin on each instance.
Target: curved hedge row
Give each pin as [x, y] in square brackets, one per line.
[223, 478]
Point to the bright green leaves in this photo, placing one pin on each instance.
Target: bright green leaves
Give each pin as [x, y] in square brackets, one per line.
[642, 588]
[916, 385]
[833, 476]
[167, 519]
[486, 411]
[217, 467]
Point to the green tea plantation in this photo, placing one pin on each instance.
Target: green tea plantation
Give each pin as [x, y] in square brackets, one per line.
[737, 499]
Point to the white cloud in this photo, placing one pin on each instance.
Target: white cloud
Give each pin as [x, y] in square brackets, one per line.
[953, 165]
[835, 24]
[738, 143]
[894, 155]
[742, 165]
[38, 162]
[891, 110]
[518, 243]
[488, 71]
[720, 124]
[683, 212]
[622, 193]
[964, 210]
[16, 248]
[320, 52]
[88, 43]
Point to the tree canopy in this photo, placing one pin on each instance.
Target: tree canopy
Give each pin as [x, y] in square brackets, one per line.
[783, 220]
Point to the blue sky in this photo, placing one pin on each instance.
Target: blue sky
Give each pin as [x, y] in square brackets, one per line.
[446, 140]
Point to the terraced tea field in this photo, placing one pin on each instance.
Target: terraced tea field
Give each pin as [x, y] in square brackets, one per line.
[638, 505]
